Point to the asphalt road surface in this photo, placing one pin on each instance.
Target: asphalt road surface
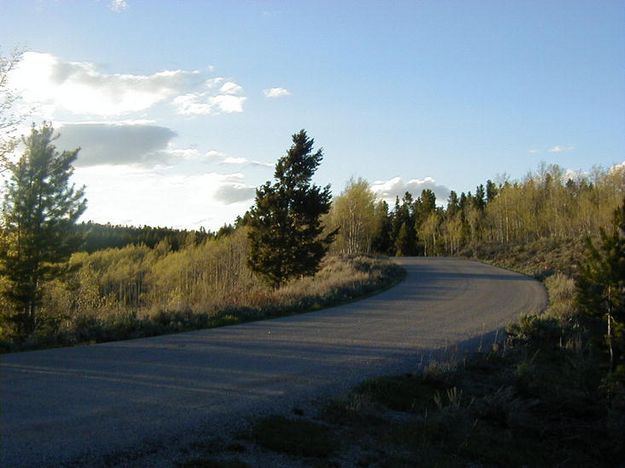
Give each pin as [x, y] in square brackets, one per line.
[89, 404]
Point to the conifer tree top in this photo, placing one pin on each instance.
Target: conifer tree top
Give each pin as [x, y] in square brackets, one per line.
[300, 163]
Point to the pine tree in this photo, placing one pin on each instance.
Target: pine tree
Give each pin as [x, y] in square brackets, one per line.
[404, 243]
[40, 210]
[382, 242]
[285, 224]
[601, 287]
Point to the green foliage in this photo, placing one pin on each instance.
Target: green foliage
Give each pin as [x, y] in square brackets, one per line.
[601, 287]
[136, 291]
[285, 224]
[40, 210]
[480, 411]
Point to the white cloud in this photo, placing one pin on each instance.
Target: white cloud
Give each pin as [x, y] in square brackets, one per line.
[234, 160]
[276, 92]
[142, 196]
[396, 187]
[561, 149]
[204, 104]
[53, 85]
[225, 100]
[230, 87]
[118, 5]
[533, 151]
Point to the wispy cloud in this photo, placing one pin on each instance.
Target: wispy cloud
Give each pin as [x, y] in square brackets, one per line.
[561, 149]
[234, 160]
[118, 5]
[276, 92]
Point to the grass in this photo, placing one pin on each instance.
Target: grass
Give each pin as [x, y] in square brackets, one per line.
[517, 405]
[541, 258]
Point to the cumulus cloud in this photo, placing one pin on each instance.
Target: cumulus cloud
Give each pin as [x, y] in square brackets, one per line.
[276, 92]
[396, 187]
[219, 96]
[118, 5]
[81, 88]
[561, 149]
[115, 143]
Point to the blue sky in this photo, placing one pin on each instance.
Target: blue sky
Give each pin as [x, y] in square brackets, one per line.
[172, 105]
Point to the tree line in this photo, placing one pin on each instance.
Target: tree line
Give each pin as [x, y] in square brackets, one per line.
[545, 204]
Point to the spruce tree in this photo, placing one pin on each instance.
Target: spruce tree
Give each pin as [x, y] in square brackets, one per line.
[382, 242]
[601, 288]
[285, 234]
[404, 242]
[39, 213]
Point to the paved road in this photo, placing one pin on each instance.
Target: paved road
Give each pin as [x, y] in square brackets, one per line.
[87, 402]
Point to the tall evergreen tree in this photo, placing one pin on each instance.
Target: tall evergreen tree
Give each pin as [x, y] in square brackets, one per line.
[382, 242]
[491, 191]
[601, 288]
[40, 210]
[453, 204]
[404, 244]
[479, 200]
[285, 223]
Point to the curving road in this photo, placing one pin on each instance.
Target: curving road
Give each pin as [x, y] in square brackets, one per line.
[87, 403]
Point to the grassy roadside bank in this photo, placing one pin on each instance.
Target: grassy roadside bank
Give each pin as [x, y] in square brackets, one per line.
[340, 280]
[491, 409]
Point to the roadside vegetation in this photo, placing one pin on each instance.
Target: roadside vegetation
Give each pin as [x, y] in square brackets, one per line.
[152, 281]
[549, 393]
[135, 292]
